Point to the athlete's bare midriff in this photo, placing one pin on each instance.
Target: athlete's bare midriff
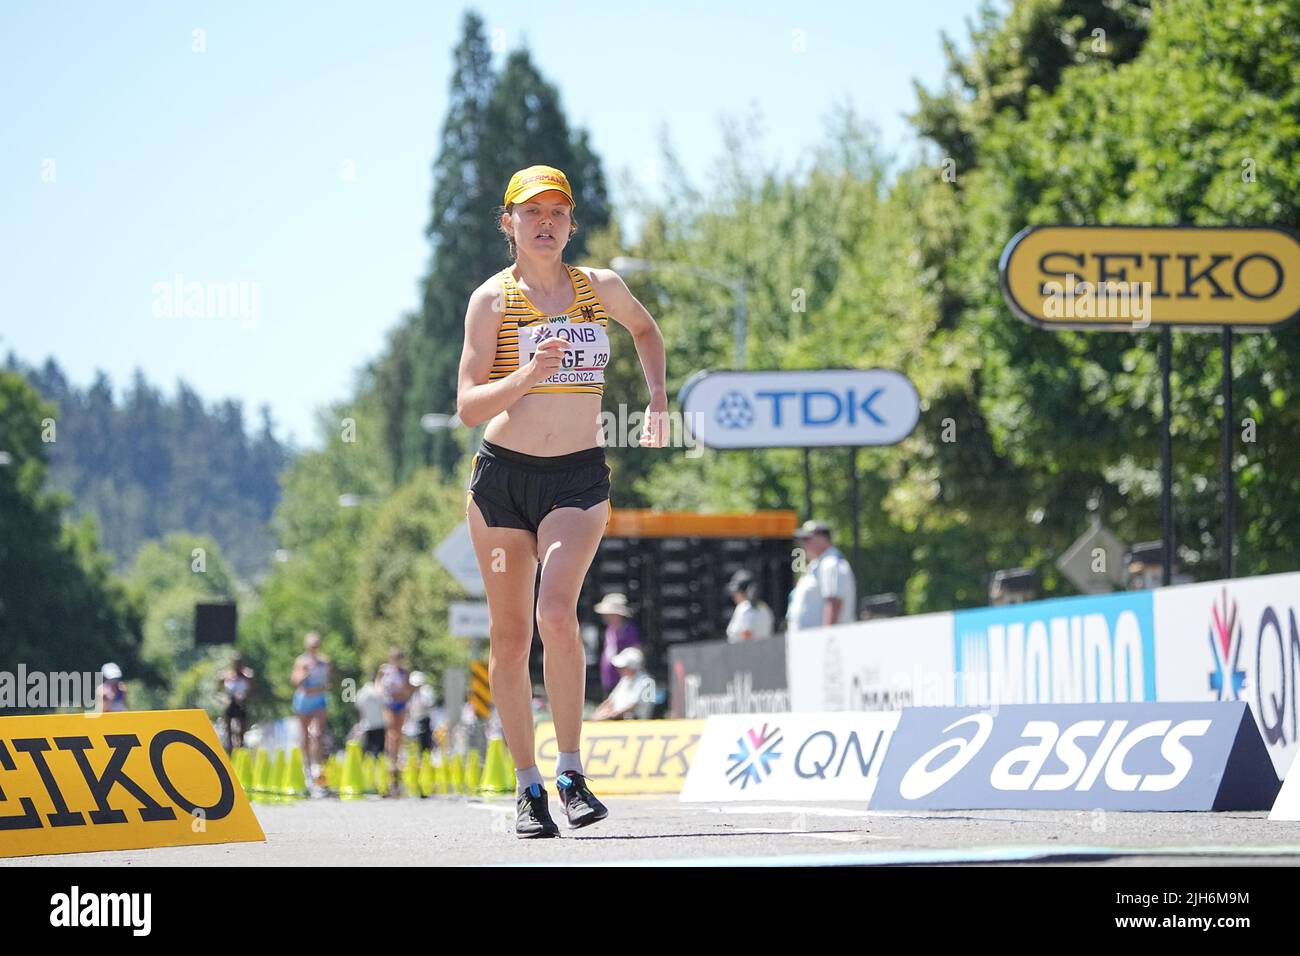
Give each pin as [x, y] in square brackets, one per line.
[554, 424]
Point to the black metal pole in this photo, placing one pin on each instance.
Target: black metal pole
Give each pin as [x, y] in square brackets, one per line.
[1229, 495]
[807, 486]
[1166, 458]
[853, 509]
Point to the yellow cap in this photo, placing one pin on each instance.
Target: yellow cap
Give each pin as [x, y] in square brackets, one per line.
[527, 183]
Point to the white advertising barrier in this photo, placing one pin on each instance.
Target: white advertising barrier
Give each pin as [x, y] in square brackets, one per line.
[789, 757]
[873, 666]
[1287, 806]
[1235, 640]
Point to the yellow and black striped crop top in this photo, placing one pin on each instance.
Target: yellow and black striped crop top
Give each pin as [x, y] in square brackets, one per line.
[584, 325]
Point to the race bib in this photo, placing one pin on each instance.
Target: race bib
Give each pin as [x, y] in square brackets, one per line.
[583, 362]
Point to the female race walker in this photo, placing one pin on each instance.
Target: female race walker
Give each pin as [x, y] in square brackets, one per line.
[533, 368]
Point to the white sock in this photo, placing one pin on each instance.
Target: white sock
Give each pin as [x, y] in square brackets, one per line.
[568, 763]
[528, 777]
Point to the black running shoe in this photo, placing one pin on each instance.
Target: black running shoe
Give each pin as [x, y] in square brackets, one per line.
[580, 804]
[533, 819]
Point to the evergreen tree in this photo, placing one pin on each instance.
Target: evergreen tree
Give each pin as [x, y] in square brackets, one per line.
[60, 607]
[494, 126]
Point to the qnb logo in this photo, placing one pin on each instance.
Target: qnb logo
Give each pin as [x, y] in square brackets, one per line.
[75, 908]
[921, 781]
[755, 753]
[1226, 680]
[734, 411]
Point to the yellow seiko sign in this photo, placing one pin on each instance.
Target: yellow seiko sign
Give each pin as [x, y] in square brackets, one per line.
[628, 756]
[1131, 277]
[117, 781]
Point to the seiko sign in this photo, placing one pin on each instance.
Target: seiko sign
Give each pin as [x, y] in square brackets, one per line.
[1131, 277]
[1077, 757]
[792, 409]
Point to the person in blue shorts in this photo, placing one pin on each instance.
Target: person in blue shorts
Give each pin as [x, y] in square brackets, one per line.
[311, 681]
[395, 686]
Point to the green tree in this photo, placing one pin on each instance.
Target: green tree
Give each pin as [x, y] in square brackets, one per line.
[1160, 139]
[494, 126]
[1016, 54]
[330, 497]
[149, 466]
[403, 593]
[61, 609]
[169, 578]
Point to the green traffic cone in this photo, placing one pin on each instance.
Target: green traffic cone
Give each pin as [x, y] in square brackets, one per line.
[261, 773]
[352, 787]
[294, 783]
[275, 779]
[473, 772]
[368, 773]
[456, 777]
[411, 775]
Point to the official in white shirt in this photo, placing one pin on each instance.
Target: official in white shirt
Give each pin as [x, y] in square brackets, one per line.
[752, 619]
[826, 592]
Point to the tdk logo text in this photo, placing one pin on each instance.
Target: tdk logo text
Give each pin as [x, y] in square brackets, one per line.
[820, 408]
[792, 409]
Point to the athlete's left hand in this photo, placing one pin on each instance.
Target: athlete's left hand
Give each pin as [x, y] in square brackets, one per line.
[655, 432]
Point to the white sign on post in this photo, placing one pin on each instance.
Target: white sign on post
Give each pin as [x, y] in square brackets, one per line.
[800, 409]
[456, 554]
[469, 619]
[1081, 566]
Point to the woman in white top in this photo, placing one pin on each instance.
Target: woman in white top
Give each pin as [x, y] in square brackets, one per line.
[752, 619]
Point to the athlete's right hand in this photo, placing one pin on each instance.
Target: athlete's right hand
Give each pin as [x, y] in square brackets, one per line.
[546, 360]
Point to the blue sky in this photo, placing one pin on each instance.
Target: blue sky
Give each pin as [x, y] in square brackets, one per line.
[292, 156]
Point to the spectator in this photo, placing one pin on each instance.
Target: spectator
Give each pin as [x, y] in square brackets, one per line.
[825, 592]
[237, 685]
[421, 711]
[633, 697]
[370, 707]
[112, 692]
[752, 619]
[620, 634]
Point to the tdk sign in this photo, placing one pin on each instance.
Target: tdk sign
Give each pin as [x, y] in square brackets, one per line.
[1077, 757]
[792, 409]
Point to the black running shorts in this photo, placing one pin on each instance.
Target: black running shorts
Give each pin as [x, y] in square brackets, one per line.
[514, 490]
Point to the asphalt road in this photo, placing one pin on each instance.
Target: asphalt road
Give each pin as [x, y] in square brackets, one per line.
[445, 831]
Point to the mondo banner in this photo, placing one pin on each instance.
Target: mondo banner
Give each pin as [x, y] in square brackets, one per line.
[1066, 651]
